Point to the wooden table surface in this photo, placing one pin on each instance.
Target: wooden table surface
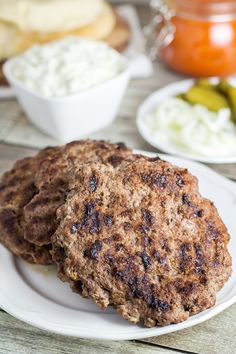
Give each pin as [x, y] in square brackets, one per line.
[217, 335]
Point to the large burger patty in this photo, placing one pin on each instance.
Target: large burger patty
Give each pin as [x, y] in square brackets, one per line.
[124, 230]
[141, 238]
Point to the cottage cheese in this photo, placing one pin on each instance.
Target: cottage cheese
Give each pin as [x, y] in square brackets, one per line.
[67, 66]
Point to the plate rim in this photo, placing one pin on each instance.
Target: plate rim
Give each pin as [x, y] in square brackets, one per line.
[136, 332]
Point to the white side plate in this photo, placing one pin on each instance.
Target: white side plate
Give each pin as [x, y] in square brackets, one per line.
[35, 295]
[151, 103]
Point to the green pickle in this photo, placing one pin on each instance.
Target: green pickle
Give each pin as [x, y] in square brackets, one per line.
[205, 83]
[181, 96]
[231, 92]
[223, 86]
[212, 96]
[209, 98]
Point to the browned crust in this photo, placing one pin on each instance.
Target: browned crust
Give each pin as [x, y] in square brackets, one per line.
[52, 181]
[17, 188]
[35, 187]
[141, 238]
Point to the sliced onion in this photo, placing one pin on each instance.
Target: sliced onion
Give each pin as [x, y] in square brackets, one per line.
[193, 128]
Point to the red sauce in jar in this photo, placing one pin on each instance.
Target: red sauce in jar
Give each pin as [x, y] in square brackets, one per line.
[204, 42]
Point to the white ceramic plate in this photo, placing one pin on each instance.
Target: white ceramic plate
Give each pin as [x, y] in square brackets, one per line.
[6, 92]
[34, 294]
[151, 103]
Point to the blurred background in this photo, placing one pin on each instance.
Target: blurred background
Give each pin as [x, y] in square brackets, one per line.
[164, 43]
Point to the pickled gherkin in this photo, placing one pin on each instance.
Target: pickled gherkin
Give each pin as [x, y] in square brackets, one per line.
[231, 92]
[205, 83]
[212, 96]
[223, 86]
[209, 98]
[181, 96]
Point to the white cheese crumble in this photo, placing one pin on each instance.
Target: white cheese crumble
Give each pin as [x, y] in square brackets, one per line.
[66, 67]
[193, 128]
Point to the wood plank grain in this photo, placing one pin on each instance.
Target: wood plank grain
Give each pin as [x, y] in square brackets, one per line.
[18, 337]
[9, 154]
[215, 336]
[228, 170]
[15, 128]
[205, 338]
[212, 337]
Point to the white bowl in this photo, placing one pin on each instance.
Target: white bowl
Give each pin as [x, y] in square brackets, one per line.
[73, 116]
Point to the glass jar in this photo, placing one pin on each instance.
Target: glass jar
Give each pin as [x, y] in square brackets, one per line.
[195, 37]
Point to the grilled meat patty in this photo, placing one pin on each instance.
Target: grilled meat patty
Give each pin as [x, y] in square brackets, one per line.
[32, 191]
[52, 181]
[141, 238]
[17, 188]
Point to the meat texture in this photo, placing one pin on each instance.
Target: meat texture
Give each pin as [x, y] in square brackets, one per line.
[141, 238]
[17, 188]
[52, 181]
[32, 191]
